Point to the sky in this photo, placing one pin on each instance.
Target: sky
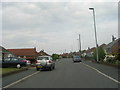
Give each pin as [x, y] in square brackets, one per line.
[55, 26]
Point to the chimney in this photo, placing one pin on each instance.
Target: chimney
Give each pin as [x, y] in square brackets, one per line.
[88, 48]
[113, 38]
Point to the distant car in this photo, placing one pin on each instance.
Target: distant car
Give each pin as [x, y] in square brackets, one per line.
[45, 62]
[77, 59]
[14, 62]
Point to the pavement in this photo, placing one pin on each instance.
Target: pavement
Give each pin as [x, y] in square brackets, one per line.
[107, 69]
[66, 75]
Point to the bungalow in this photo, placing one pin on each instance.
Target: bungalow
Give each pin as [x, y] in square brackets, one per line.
[27, 53]
[4, 53]
[113, 47]
[83, 53]
[64, 55]
[42, 53]
[89, 52]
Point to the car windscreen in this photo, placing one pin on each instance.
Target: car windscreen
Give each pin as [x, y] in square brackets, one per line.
[43, 58]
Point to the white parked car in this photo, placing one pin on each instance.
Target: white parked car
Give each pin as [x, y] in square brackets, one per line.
[45, 62]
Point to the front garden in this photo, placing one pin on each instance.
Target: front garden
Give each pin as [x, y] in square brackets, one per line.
[108, 59]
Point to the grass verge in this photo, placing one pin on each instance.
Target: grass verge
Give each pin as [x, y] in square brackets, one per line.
[8, 71]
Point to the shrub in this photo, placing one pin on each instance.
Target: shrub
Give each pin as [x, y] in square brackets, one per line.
[110, 60]
[55, 56]
[101, 54]
[117, 62]
[64, 57]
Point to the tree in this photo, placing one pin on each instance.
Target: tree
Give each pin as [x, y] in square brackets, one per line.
[55, 56]
[101, 54]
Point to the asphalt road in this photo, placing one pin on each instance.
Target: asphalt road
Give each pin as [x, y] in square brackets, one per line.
[66, 75]
[17, 76]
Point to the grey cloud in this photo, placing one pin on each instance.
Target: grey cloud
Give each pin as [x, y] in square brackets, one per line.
[57, 25]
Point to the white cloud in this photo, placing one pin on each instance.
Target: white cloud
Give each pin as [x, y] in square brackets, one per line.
[55, 26]
[60, 1]
[0, 24]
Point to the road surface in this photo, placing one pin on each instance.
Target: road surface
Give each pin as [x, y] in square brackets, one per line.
[66, 75]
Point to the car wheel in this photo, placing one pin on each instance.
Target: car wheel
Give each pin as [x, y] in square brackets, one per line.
[18, 66]
[51, 68]
[41, 70]
[37, 69]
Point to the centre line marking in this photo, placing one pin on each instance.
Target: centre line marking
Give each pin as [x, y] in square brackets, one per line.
[102, 73]
[21, 79]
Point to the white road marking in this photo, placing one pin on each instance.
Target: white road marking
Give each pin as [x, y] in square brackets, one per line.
[102, 73]
[20, 80]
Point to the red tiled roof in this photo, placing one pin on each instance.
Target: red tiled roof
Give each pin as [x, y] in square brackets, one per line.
[42, 53]
[23, 52]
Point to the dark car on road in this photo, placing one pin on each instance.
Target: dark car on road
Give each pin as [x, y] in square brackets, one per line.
[13, 62]
[45, 62]
[77, 59]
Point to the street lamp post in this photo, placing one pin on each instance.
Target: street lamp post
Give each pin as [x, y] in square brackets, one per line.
[79, 45]
[95, 32]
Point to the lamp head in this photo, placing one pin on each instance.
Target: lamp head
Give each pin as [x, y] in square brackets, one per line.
[91, 8]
